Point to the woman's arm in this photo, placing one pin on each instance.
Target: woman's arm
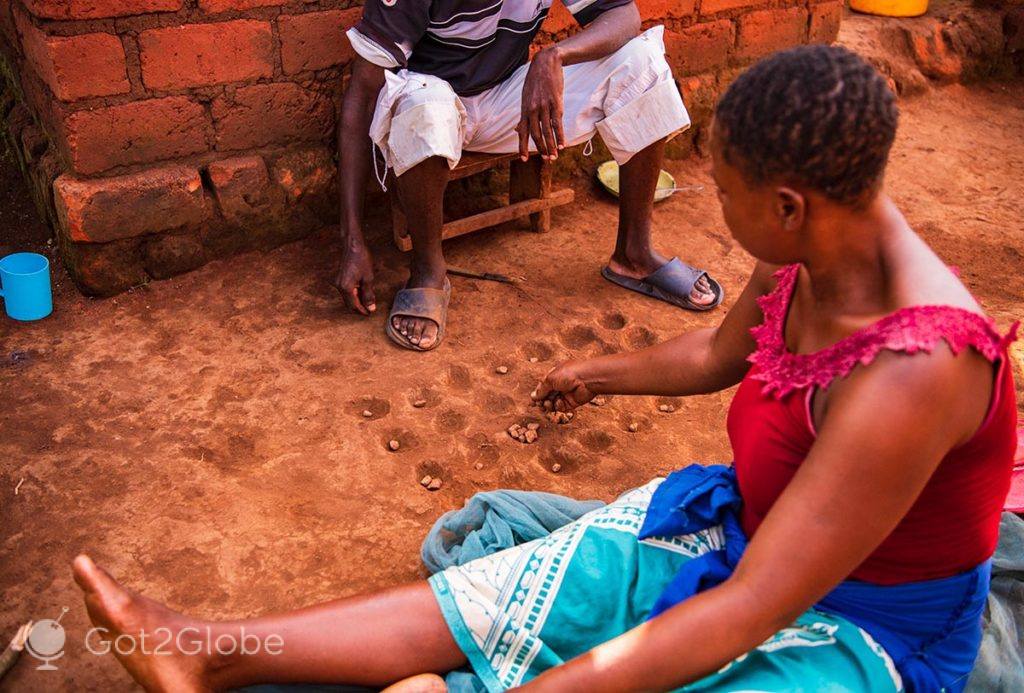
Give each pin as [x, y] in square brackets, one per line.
[693, 363]
[884, 432]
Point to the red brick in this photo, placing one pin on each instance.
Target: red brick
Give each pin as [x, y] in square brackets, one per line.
[136, 132]
[306, 174]
[710, 7]
[663, 9]
[242, 188]
[316, 40]
[275, 113]
[95, 9]
[700, 47]
[558, 19]
[98, 210]
[214, 6]
[200, 54]
[766, 31]
[825, 19]
[75, 67]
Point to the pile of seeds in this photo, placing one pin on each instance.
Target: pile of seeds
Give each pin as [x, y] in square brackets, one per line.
[527, 434]
[666, 408]
[559, 417]
[431, 483]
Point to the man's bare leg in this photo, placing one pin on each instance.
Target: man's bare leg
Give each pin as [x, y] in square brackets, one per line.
[421, 190]
[634, 255]
[372, 640]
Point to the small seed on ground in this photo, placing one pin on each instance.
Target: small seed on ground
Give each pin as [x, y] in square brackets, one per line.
[598, 401]
[533, 426]
[425, 481]
[434, 484]
[420, 403]
[501, 369]
[394, 445]
[478, 466]
[634, 427]
[560, 417]
[367, 413]
[667, 408]
[531, 436]
[556, 468]
[533, 359]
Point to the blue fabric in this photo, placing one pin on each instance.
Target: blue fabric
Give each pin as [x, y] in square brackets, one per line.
[1000, 663]
[497, 520]
[488, 523]
[931, 629]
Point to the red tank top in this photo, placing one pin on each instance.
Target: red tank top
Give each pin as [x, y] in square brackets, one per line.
[953, 526]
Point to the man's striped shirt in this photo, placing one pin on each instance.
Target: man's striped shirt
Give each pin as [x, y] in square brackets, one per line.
[472, 44]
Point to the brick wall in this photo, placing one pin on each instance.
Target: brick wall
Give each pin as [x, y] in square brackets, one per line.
[161, 133]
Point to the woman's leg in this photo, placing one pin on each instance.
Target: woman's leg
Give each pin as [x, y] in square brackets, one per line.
[370, 640]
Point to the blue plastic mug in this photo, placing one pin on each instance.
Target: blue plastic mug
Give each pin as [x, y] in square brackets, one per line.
[25, 286]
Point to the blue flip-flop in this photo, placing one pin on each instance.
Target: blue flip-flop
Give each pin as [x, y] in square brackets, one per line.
[672, 283]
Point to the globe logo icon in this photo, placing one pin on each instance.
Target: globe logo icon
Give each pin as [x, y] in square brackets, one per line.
[46, 641]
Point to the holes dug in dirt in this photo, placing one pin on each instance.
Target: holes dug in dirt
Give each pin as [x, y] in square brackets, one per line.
[538, 350]
[376, 407]
[578, 336]
[450, 421]
[640, 337]
[597, 441]
[613, 320]
[405, 439]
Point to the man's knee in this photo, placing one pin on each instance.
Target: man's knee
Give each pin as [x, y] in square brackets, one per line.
[641, 55]
[428, 122]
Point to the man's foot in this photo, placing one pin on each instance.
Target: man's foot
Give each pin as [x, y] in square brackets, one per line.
[702, 294]
[421, 332]
[142, 620]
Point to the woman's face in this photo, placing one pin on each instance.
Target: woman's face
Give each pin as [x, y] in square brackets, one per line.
[759, 217]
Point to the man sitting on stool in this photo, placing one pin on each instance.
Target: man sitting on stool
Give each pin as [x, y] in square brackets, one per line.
[435, 77]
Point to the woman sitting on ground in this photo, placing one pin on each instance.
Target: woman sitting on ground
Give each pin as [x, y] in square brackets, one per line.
[873, 432]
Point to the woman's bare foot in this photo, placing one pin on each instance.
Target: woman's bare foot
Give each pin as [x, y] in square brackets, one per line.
[151, 634]
[422, 683]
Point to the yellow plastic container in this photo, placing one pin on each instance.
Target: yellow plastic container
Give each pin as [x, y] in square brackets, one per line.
[891, 8]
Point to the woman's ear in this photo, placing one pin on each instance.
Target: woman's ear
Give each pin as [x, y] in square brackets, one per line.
[790, 209]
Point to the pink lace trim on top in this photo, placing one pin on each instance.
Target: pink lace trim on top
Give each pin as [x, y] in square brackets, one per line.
[909, 330]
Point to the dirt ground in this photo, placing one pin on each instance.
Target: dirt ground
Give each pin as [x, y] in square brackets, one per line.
[203, 437]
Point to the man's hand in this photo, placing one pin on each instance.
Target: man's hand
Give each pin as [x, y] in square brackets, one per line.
[542, 106]
[563, 388]
[355, 280]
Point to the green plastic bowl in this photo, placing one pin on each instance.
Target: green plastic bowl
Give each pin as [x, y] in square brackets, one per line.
[608, 176]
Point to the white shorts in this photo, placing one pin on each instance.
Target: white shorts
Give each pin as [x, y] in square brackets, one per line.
[629, 97]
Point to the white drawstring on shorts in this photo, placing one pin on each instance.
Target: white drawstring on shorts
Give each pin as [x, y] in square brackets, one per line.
[588, 148]
[376, 171]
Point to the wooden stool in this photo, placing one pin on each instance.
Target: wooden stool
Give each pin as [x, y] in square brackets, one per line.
[529, 194]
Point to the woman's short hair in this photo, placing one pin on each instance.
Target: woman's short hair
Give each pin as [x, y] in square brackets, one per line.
[820, 116]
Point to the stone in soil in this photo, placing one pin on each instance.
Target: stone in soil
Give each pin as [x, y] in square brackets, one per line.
[425, 481]
[556, 468]
[394, 445]
[420, 403]
[501, 370]
[598, 401]
[434, 484]
[634, 427]
[478, 466]
[666, 408]
[367, 413]
[560, 417]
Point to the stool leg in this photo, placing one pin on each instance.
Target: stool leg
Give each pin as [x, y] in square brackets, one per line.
[531, 179]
